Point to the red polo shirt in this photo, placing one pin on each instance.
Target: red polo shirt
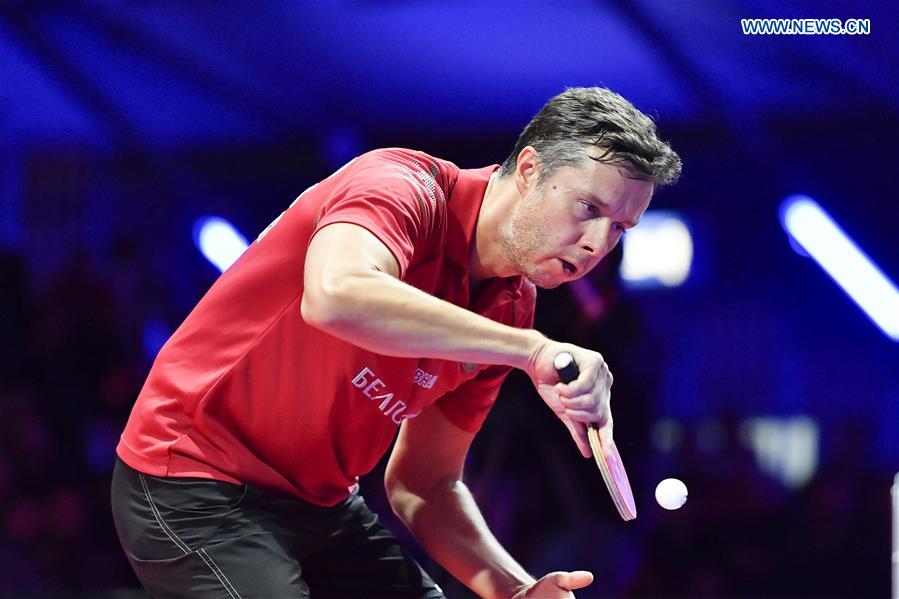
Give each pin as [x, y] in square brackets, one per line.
[246, 392]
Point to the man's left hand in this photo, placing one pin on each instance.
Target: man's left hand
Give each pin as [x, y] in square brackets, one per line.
[556, 585]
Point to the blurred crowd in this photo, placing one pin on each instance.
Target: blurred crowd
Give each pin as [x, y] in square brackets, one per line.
[72, 359]
[74, 351]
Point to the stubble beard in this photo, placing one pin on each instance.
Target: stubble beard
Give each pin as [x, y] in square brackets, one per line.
[523, 237]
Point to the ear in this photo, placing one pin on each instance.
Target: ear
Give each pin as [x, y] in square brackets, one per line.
[526, 169]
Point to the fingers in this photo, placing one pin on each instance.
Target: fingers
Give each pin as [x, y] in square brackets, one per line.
[594, 373]
[571, 581]
[605, 431]
[586, 408]
[583, 401]
[579, 402]
[585, 417]
[578, 432]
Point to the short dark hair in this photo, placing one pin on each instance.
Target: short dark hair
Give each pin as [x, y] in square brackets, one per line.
[581, 117]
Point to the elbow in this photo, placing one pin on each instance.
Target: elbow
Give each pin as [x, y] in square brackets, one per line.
[404, 500]
[327, 303]
[407, 496]
[396, 494]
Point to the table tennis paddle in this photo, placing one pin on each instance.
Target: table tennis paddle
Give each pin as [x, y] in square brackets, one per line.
[604, 450]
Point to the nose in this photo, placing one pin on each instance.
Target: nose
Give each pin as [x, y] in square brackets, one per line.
[595, 239]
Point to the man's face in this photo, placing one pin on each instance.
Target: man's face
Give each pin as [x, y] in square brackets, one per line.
[565, 225]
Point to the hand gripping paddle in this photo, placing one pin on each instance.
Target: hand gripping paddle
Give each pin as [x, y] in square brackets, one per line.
[604, 450]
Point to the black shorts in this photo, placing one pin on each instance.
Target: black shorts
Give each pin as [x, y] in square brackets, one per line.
[192, 537]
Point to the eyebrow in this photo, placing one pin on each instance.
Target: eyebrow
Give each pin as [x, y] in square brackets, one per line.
[602, 204]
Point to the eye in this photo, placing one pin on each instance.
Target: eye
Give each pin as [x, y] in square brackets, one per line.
[589, 209]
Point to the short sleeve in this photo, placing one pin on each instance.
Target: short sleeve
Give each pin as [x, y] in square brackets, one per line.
[394, 197]
[467, 406]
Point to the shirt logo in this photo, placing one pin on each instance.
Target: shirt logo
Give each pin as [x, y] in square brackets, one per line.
[372, 387]
[424, 379]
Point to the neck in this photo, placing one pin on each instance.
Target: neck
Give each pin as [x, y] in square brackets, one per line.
[487, 260]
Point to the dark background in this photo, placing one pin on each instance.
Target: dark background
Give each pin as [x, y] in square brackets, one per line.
[121, 123]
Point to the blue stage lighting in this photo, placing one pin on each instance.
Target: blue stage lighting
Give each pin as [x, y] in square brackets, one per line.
[659, 252]
[154, 334]
[219, 241]
[819, 235]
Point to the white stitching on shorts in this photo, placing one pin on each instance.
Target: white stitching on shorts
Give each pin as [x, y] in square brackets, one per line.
[229, 588]
[168, 532]
[219, 574]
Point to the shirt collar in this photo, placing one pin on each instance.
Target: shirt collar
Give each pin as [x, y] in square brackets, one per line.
[463, 208]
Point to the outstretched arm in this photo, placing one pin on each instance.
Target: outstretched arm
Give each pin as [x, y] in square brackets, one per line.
[425, 488]
[351, 291]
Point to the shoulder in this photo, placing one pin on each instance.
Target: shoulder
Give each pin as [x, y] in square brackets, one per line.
[402, 171]
[403, 161]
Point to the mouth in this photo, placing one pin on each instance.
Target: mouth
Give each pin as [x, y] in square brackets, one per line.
[568, 267]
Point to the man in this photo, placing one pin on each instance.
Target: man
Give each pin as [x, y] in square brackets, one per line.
[396, 293]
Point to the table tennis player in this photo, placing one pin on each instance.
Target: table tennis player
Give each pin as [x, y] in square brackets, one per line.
[395, 295]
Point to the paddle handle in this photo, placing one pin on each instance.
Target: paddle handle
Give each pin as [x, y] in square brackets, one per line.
[566, 367]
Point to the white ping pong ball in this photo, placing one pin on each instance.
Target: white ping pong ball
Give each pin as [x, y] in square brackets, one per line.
[671, 493]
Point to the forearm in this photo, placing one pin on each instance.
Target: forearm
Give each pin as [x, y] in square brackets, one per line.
[449, 525]
[385, 315]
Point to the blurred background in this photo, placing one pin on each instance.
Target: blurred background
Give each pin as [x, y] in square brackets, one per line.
[741, 366]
